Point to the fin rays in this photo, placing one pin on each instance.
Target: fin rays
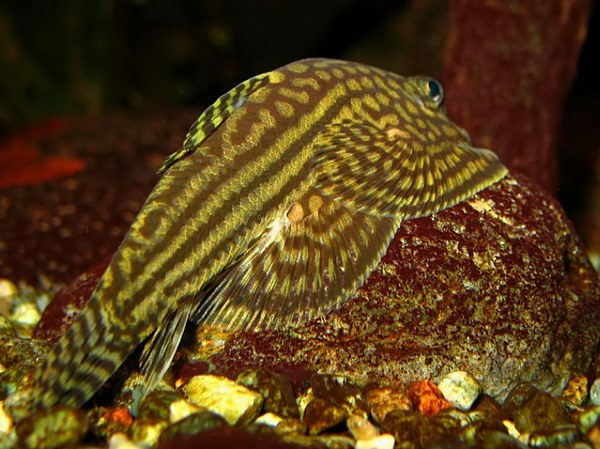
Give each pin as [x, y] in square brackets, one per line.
[299, 270]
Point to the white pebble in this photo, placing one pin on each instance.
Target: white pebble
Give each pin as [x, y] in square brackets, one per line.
[120, 441]
[361, 428]
[269, 419]
[595, 392]
[383, 441]
[460, 388]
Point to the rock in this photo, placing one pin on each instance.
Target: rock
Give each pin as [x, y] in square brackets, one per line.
[411, 429]
[383, 400]
[588, 418]
[540, 413]
[52, 428]
[146, 432]
[340, 391]
[385, 441]
[104, 422]
[121, 441]
[576, 391]
[498, 285]
[157, 405]
[269, 419]
[181, 409]
[562, 437]
[192, 425]
[67, 303]
[60, 228]
[6, 422]
[426, 397]
[595, 392]
[321, 415]
[335, 441]
[460, 388]
[486, 408]
[275, 388]
[291, 426]
[361, 428]
[518, 396]
[236, 403]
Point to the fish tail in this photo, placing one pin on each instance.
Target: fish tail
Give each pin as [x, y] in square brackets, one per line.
[83, 359]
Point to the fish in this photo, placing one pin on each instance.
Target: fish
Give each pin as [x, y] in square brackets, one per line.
[284, 197]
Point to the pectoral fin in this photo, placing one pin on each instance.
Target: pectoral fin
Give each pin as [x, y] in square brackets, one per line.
[384, 171]
[315, 256]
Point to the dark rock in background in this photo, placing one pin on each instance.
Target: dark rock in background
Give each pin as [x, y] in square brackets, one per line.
[59, 228]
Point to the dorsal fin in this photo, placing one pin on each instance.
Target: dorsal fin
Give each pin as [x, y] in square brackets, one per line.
[213, 116]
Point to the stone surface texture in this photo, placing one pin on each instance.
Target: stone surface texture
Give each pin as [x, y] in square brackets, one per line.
[498, 285]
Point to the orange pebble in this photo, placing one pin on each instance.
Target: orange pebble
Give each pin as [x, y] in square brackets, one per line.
[426, 397]
[119, 414]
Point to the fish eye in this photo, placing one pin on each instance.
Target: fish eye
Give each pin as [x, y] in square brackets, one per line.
[435, 91]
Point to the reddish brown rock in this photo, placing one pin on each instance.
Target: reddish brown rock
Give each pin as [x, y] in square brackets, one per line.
[498, 286]
[508, 67]
[426, 397]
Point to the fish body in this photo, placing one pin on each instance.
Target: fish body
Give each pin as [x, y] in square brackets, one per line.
[284, 197]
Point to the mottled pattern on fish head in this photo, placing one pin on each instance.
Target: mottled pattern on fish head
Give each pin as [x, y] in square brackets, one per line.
[389, 148]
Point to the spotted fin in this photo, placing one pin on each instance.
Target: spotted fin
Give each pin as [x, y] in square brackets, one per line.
[214, 115]
[385, 171]
[315, 256]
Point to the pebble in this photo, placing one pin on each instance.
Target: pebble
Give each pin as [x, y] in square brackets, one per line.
[383, 400]
[361, 428]
[52, 428]
[181, 409]
[236, 403]
[486, 407]
[8, 291]
[107, 421]
[275, 388]
[385, 441]
[411, 429]
[6, 423]
[334, 441]
[269, 419]
[340, 391]
[192, 425]
[157, 405]
[460, 388]
[595, 392]
[303, 400]
[147, 432]
[588, 418]
[529, 418]
[291, 426]
[321, 415]
[519, 395]
[576, 391]
[309, 442]
[121, 441]
[561, 437]
[426, 397]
